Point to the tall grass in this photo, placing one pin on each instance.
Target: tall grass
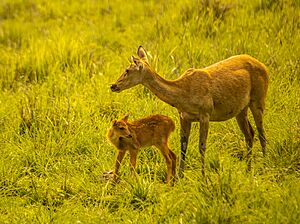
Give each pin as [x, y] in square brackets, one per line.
[57, 59]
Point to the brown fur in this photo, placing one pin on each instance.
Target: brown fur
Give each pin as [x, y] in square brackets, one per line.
[150, 131]
[215, 93]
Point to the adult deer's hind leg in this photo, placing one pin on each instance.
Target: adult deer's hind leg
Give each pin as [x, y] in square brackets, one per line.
[257, 111]
[204, 125]
[248, 132]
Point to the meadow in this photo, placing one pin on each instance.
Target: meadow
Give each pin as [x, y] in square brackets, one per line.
[57, 61]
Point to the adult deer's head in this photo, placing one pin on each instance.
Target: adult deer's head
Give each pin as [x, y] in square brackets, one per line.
[134, 74]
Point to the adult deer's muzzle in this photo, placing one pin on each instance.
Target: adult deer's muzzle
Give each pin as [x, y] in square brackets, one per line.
[114, 88]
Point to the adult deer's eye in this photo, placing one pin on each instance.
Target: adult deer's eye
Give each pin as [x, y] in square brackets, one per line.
[126, 72]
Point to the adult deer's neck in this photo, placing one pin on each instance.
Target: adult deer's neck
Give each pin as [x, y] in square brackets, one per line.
[168, 91]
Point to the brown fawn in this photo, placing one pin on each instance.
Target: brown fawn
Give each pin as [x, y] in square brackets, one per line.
[215, 93]
[150, 131]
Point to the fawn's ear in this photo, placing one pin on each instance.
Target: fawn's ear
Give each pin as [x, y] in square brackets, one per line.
[142, 53]
[125, 118]
[114, 122]
[137, 62]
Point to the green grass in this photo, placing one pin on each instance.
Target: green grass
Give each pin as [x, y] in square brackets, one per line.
[57, 59]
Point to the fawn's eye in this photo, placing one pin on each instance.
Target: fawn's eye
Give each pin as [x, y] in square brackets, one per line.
[121, 128]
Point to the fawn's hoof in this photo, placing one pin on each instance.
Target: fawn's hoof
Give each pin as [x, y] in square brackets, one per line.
[107, 175]
[180, 175]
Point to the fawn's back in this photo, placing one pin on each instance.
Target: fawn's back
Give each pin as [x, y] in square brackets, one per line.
[152, 130]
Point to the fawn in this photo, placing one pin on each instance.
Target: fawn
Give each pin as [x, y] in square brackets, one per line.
[215, 93]
[149, 131]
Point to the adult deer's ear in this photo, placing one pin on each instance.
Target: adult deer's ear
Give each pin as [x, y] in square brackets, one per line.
[142, 53]
[134, 60]
[125, 118]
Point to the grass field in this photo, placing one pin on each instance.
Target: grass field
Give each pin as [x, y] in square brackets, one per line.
[57, 60]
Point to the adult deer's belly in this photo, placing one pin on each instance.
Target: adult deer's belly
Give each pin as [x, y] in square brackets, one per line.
[229, 108]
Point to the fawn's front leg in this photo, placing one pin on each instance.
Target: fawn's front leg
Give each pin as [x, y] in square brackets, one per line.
[133, 157]
[121, 154]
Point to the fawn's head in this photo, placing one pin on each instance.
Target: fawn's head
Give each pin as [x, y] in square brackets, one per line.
[134, 74]
[120, 128]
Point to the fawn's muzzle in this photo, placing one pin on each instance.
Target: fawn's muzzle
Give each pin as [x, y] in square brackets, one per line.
[127, 136]
[114, 88]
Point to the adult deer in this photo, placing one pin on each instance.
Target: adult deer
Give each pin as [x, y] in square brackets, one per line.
[215, 93]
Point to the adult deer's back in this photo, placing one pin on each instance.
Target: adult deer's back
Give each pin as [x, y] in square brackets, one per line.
[233, 84]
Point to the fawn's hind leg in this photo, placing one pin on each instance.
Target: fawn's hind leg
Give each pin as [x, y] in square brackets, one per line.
[248, 132]
[165, 152]
[173, 158]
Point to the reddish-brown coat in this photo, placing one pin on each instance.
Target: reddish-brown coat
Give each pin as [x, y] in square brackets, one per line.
[149, 131]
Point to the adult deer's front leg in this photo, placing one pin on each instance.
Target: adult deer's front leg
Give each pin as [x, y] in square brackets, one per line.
[204, 124]
[184, 138]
